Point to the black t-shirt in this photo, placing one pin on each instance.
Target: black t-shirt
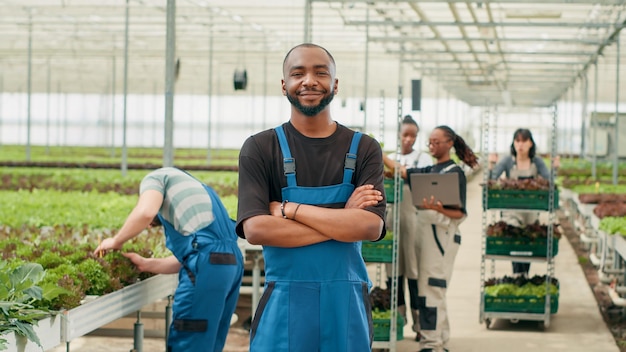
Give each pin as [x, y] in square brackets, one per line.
[319, 162]
[437, 168]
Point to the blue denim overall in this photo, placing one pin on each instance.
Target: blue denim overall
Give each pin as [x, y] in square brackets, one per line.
[208, 282]
[316, 297]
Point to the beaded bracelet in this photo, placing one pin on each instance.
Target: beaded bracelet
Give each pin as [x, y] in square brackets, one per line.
[282, 208]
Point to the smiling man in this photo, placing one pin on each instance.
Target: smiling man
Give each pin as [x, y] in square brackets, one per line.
[310, 191]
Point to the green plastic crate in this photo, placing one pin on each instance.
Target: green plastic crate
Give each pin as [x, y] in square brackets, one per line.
[382, 329]
[520, 304]
[389, 190]
[522, 247]
[377, 252]
[519, 199]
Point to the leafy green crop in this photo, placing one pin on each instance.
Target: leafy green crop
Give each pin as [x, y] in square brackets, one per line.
[520, 286]
[19, 291]
[75, 209]
[82, 154]
[612, 225]
[100, 180]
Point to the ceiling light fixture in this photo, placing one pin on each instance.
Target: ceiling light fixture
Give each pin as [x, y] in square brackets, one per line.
[533, 14]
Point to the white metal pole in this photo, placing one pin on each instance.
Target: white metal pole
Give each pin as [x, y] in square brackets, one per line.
[594, 123]
[30, 69]
[210, 93]
[308, 8]
[170, 48]
[365, 74]
[583, 113]
[113, 83]
[124, 123]
[59, 96]
[616, 128]
[154, 113]
[48, 110]
[1, 98]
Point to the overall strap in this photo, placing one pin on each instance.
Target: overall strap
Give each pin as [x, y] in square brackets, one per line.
[350, 163]
[289, 163]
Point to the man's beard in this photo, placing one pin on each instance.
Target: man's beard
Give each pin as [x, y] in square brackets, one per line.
[311, 110]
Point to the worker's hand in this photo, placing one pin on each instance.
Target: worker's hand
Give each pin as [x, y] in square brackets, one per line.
[363, 197]
[140, 262]
[275, 209]
[556, 162]
[493, 158]
[108, 244]
[432, 204]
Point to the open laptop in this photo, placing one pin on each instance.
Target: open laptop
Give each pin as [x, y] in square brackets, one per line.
[445, 188]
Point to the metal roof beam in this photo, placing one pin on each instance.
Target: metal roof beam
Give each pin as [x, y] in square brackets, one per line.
[480, 24]
[588, 2]
[461, 39]
[547, 53]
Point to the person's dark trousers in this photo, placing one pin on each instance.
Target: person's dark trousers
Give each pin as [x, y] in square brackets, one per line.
[521, 268]
[400, 283]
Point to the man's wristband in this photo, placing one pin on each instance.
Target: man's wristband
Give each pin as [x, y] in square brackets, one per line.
[282, 208]
[295, 211]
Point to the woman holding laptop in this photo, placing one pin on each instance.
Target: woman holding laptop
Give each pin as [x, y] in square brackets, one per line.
[440, 239]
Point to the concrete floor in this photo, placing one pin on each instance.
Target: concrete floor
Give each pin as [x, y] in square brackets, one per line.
[576, 327]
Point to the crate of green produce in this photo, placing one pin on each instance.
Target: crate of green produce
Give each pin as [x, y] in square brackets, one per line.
[382, 326]
[520, 304]
[521, 294]
[390, 191]
[378, 252]
[523, 247]
[520, 199]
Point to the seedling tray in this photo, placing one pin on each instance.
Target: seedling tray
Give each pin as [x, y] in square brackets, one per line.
[377, 252]
[520, 199]
[520, 304]
[389, 190]
[522, 247]
[382, 329]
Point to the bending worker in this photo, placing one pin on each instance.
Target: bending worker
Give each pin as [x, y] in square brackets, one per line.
[202, 238]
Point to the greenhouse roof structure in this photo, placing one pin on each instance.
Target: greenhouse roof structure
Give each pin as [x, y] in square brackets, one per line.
[495, 52]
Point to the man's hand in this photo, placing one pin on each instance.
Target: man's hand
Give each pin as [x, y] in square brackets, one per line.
[109, 243]
[363, 197]
[275, 209]
[139, 261]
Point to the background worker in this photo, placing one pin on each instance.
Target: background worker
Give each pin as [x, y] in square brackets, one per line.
[522, 163]
[202, 238]
[409, 231]
[440, 239]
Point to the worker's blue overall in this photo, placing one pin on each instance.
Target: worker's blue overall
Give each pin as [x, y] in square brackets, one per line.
[209, 281]
[316, 297]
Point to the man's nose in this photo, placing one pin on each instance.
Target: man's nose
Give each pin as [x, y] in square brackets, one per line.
[309, 79]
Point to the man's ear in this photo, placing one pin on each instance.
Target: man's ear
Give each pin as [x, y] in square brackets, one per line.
[284, 89]
[336, 86]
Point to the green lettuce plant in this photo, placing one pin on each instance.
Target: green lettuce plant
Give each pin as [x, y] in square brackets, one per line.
[19, 292]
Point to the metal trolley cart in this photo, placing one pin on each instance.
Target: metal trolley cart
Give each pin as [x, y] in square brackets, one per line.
[517, 308]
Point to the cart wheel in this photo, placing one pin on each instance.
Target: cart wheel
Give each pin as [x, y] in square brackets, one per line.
[488, 322]
[514, 321]
[544, 325]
